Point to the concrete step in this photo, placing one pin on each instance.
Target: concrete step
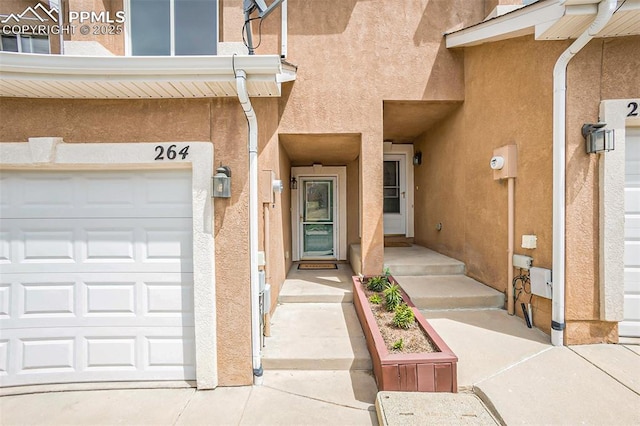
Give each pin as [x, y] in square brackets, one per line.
[450, 292]
[416, 260]
[316, 336]
[318, 286]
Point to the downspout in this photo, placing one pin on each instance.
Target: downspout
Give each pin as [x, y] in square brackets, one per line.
[243, 97]
[284, 29]
[606, 8]
[511, 237]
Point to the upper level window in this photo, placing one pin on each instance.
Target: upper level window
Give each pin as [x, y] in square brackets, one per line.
[173, 27]
[24, 43]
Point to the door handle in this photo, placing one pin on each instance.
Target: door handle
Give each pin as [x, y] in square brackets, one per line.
[403, 192]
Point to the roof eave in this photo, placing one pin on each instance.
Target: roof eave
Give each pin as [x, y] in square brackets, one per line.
[513, 24]
[88, 77]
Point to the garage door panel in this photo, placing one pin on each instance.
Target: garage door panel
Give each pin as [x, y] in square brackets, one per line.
[97, 276]
[97, 300]
[109, 194]
[95, 245]
[5, 247]
[632, 280]
[4, 358]
[47, 300]
[106, 352]
[5, 300]
[63, 355]
[631, 324]
[47, 355]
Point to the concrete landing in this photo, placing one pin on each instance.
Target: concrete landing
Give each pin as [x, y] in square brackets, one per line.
[317, 286]
[450, 292]
[486, 341]
[560, 387]
[414, 260]
[316, 336]
[403, 408]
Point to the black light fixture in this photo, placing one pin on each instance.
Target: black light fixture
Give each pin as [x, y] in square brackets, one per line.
[598, 139]
[293, 184]
[222, 182]
[417, 158]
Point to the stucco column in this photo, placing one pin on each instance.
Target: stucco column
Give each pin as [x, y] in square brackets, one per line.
[372, 242]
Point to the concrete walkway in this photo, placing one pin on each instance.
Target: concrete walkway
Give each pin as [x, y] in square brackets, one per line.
[286, 398]
[507, 373]
[522, 379]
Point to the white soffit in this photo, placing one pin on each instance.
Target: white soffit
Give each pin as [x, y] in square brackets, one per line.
[550, 20]
[130, 77]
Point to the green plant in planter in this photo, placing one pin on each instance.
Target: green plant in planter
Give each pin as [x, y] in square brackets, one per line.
[376, 283]
[387, 273]
[375, 299]
[392, 297]
[404, 316]
[398, 345]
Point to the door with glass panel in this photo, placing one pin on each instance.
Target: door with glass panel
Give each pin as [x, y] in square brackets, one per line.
[317, 218]
[395, 194]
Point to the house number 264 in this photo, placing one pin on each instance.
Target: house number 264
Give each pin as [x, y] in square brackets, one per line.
[170, 153]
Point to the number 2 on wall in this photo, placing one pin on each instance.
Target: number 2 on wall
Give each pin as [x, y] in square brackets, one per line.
[633, 109]
[171, 153]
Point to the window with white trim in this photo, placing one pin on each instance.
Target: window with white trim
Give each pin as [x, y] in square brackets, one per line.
[24, 43]
[173, 27]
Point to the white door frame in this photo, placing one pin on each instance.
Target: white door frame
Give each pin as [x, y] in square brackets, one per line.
[405, 150]
[340, 205]
[49, 153]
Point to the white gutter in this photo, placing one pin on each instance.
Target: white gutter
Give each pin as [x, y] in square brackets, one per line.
[243, 97]
[606, 8]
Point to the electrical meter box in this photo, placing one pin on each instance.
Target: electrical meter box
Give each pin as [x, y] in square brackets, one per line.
[266, 186]
[541, 284]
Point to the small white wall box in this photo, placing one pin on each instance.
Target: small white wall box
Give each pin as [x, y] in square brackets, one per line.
[541, 284]
[529, 241]
[521, 261]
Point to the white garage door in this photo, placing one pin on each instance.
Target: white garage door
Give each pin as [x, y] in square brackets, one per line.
[96, 276]
[631, 324]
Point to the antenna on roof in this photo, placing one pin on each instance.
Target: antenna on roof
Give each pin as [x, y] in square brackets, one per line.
[263, 11]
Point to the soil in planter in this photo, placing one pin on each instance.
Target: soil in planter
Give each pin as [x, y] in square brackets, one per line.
[415, 340]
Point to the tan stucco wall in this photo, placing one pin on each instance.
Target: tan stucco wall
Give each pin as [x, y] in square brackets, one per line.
[508, 100]
[604, 69]
[352, 55]
[274, 158]
[220, 121]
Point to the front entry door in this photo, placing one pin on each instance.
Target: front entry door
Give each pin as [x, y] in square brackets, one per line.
[317, 218]
[395, 194]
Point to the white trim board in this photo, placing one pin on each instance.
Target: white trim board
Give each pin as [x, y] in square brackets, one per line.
[49, 153]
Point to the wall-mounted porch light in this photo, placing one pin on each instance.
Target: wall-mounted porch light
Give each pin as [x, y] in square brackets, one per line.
[293, 184]
[597, 139]
[222, 182]
[417, 158]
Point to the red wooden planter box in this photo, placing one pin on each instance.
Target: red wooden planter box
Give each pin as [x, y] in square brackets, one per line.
[421, 372]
